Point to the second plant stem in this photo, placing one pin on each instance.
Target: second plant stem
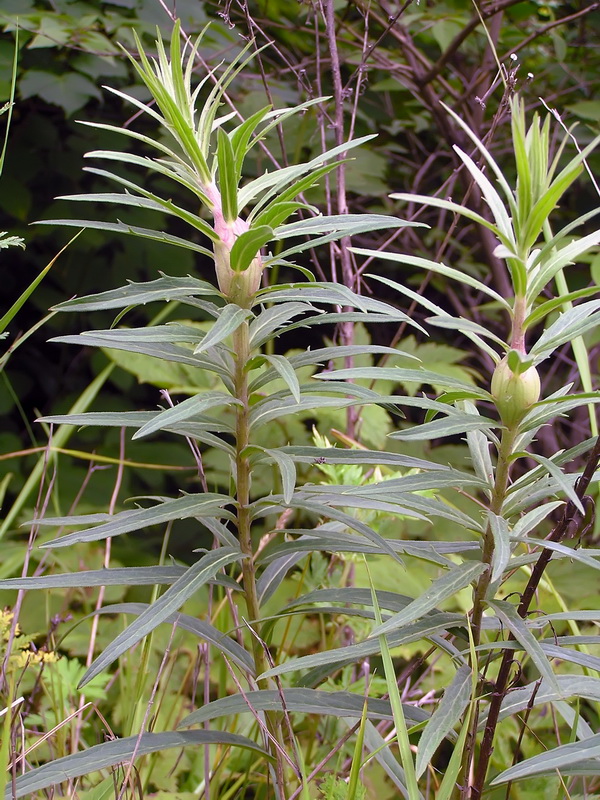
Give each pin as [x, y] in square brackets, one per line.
[241, 344]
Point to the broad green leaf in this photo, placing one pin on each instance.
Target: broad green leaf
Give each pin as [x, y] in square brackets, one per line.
[247, 246]
[301, 701]
[446, 715]
[185, 411]
[168, 603]
[119, 751]
[228, 321]
[139, 294]
[507, 614]
[227, 176]
[440, 590]
[548, 762]
[193, 505]
[200, 628]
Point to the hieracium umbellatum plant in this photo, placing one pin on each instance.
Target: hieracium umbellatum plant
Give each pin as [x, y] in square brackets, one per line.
[500, 502]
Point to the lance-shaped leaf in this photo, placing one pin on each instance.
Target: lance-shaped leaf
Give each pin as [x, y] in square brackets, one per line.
[566, 755]
[441, 589]
[184, 411]
[507, 614]
[501, 535]
[452, 425]
[135, 294]
[203, 630]
[401, 375]
[168, 603]
[572, 323]
[287, 470]
[271, 319]
[116, 576]
[247, 246]
[274, 575]
[228, 321]
[286, 372]
[423, 629]
[340, 455]
[133, 230]
[301, 701]
[227, 176]
[446, 715]
[194, 505]
[119, 751]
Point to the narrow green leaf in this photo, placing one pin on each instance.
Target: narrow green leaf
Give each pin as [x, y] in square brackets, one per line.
[228, 321]
[133, 230]
[227, 176]
[185, 411]
[558, 475]
[286, 371]
[168, 603]
[566, 755]
[441, 589]
[247, 246]
[200, 628]
[501, 536]
[301, 701]
[450, 426]
[270, 320]
[139, 294]
[193, 505]
[507, 614]
[448, 712]
[119, 751]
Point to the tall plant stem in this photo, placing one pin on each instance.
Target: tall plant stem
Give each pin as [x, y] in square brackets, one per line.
[498, 495]
[243, 481]
[567, 526]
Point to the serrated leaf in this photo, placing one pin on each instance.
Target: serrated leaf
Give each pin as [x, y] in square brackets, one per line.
[271, 319]
[440, 590]
[118, 751]
[448, 712]
[168, 603]
[139, 294]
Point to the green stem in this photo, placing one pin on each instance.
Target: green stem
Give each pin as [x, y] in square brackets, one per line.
[244, 525]
[501, 480]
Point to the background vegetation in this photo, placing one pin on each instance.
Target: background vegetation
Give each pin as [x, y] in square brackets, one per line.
[387, 68]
